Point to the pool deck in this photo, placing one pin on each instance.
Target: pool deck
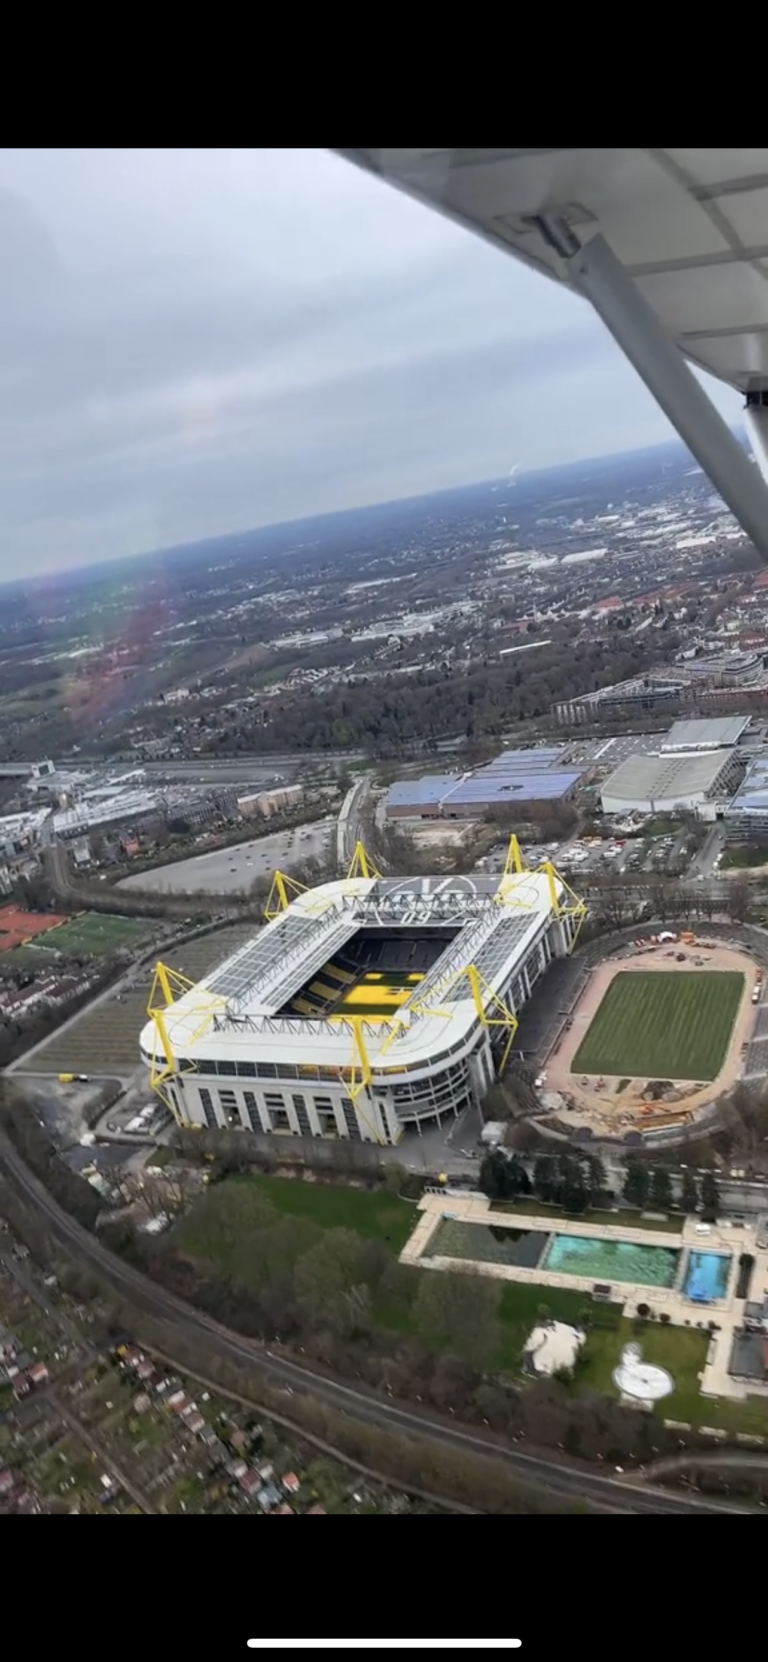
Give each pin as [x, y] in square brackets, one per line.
[722, 1238]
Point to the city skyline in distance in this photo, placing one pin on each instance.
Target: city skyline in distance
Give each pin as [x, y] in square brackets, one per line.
[197, 342]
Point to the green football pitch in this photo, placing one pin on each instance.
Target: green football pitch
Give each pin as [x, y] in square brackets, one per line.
[662, 1025]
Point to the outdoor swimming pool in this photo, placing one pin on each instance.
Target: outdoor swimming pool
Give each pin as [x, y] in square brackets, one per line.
[706, 1276]
[486, 1244]
[597, 1260]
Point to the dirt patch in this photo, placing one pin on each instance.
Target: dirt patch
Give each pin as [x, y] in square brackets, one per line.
[616, 1107]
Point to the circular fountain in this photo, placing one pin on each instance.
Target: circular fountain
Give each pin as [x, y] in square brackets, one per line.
[639, 1380]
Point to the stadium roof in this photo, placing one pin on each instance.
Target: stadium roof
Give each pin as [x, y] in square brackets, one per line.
[711, 733]
[690, 227]
[665, 778]
[234, 1011]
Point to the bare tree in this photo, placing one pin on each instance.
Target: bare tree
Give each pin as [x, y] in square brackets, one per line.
[738, 899]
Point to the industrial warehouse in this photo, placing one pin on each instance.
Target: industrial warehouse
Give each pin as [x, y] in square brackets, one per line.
[518, 779]
[364, 1008]
[697, 766]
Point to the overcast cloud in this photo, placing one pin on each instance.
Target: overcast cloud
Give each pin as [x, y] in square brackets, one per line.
[194, 342]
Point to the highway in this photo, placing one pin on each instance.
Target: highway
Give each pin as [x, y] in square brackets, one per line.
[566, 1478]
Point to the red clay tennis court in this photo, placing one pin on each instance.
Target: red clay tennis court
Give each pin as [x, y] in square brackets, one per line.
[16, 926]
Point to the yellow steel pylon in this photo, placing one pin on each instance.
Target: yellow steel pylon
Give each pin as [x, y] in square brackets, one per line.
[511, 891]
[284, 889]
[491, 1009]
[565, 903]
[361, 865]
[168, 986]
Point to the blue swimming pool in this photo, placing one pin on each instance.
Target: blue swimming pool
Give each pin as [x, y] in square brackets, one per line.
[706, 1276]
[607, 1260]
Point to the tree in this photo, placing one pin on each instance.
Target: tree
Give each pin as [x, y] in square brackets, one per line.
[501, 1178]
[595, 1177]
[456, 1314]
[661, 1192]
[545, 1179]
[330, 1282]
[689, 1195]
[710, 1197]
[636, 1183]
[575, 1194]
[738, 900]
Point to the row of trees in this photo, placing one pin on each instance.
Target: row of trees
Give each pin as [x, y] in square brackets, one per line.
[652, 1186]
[571, 1181]
[615, 901]
[577, 1182]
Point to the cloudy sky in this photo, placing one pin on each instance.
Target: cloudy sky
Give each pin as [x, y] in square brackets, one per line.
[194, 342]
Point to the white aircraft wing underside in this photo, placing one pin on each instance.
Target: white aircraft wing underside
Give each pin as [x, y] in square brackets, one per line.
[689, 226]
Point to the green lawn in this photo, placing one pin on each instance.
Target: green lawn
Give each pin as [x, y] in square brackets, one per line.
[376, 1213]
[666, 1224]
[519, 1308]
[368, 1212]
[384, 1215]
[657, 1025]
[738, 859]
[682, 1351]
[97, 932]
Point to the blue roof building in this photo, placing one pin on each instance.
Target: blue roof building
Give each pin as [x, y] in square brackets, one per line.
[746, 819]
[516, 778]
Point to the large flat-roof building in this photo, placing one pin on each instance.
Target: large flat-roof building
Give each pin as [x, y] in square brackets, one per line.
[709, 733]
[368, 1006]
[519, 779]
[664, 783]
[746, 818]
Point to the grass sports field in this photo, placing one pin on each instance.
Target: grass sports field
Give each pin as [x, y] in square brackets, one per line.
[656, 1025]
[99, 932]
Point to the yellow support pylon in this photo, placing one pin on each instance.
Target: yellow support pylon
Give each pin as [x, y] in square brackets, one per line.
[511, 892]
[168, 986]
[565, 902]
[514, 861]
[284, 889]
[360, 865]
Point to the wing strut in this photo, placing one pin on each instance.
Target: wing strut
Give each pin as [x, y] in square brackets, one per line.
[596, 273]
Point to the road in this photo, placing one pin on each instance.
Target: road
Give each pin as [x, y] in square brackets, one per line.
[559, 1475]
[348, 827]
[206, 770]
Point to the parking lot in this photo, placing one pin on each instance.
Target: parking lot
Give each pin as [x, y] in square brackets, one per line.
[233, 870]
[104, 1038]
[609, 753]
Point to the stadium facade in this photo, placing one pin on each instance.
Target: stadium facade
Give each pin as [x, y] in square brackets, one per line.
[364, 1008]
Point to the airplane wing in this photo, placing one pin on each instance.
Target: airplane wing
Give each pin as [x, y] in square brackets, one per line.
[690, 228]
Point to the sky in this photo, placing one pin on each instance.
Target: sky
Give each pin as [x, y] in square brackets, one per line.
[194, 342]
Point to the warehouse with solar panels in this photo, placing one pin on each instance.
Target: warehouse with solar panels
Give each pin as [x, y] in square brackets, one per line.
[366, 1008]
[521, 780]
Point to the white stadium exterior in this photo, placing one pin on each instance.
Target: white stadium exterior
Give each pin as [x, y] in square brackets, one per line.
[225, 1053]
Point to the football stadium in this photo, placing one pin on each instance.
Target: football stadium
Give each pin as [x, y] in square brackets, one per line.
[365, 1007]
